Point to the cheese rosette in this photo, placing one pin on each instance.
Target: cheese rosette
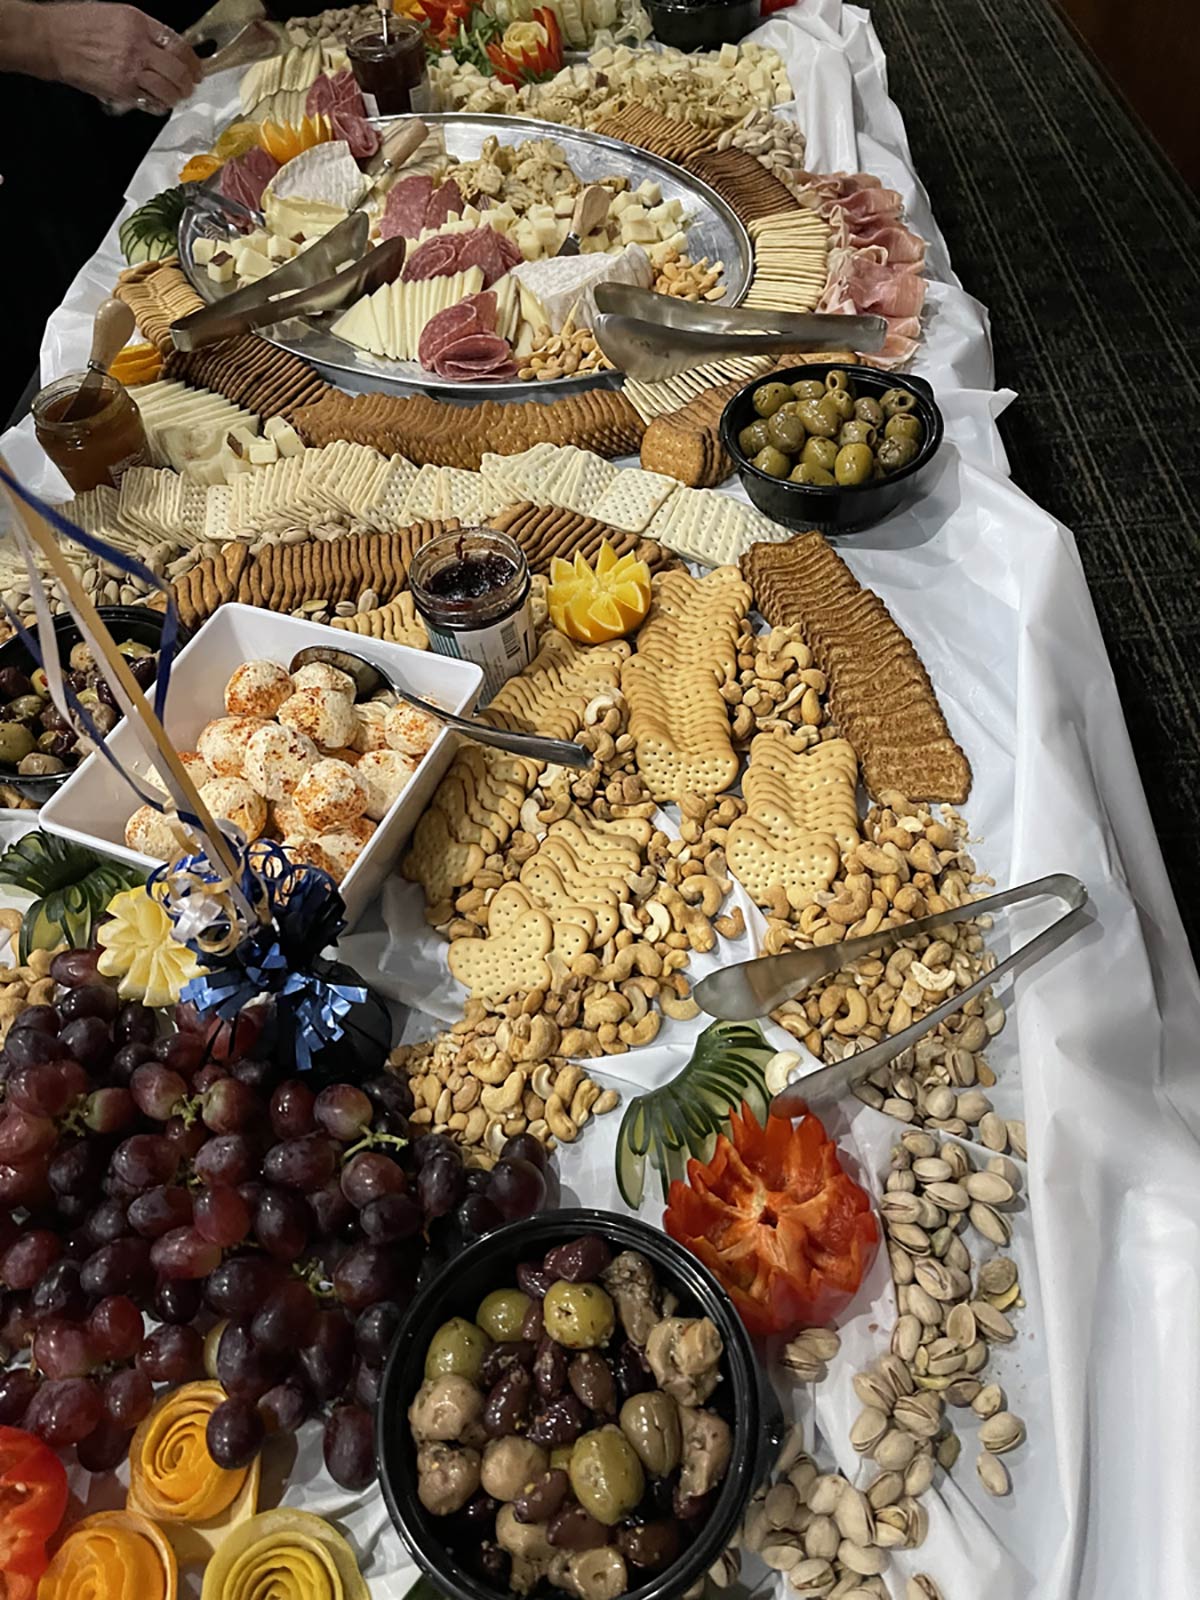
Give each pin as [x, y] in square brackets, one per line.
[113, 1555]
[288, 1555]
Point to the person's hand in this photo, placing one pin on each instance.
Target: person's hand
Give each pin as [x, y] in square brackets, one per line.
[119, 54]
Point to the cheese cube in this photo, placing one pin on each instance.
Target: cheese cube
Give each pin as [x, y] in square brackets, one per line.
[221, 268]
[280, 249]
[254, 265]
[728, 56]
[263, 452]
[638, 231]
[203, 251]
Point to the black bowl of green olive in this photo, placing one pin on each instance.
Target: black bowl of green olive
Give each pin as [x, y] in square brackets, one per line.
[572, 1406]
[831, 446]
[38, 749]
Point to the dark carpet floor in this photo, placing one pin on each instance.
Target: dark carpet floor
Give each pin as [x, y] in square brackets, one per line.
[1066, 223]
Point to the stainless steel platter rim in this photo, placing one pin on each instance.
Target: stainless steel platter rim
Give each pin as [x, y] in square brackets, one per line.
[342, 365]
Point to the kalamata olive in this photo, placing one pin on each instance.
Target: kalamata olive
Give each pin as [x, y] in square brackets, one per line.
[590, 1376]
[495, 1564]
[576, 1529]
[480, 1511]
[560, 1422]
[56, 743]
[52, 719]
[497, 1361]
[579, 1261]
[651, 1545]
[533, 1326]
[507, 1405]
[632, 1371]
[543, 1498]
[534, 1279]
[550, 1369]
[13, 683]
[689, 1507]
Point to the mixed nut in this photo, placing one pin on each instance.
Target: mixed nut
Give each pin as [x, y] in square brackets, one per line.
[563, 1436]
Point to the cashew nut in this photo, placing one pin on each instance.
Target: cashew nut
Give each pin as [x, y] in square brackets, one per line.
[732, 925]
[639, 1033]
[703, 890]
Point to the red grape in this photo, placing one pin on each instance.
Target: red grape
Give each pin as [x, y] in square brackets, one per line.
[228, 1106]
[23, 1183]
[159, 1210]
[286, 1319]
[17, 1389]
[390, 1218]
[332, 1212]
[42, 1019]
[188, 1139]
[390, 1093]
[89, 1039]
[368, 1175]
[343, 1111]
[225, 1160]
[222, 1216]
[517, 1189]
[172, 1355]
[64, 1411]
[118, 1268]
[184, 1253]
[145, 1160]
[369, 1272]
[292, 1110]
[281, 1223]
[63, 1349]
[240, 1285]
[441, 1184]
[235, 1434]
[211, 1072]
[127, 1396]
[104, 1448]
[115, 1328]
[374, 1331]
[156, 1090]
[245, 1371]
[75, 1167]
[73, 967]
[127, 1059]
[350, 1447]
[284, 1407]
[184, 1053]
[109, 1110]
[107, 1222]
[59, 1292]
[46, 1090]
[432, 1145]
[17, 1323]
[327, 1362]
[135, 1025]
[255, 1074]
[524, 1147]
[368, 1381]
[178, 1300]
[24, 1262]
[23, 1135]
[477, 1216]
[303, 1164]
[30, 1047]
[89, 1000]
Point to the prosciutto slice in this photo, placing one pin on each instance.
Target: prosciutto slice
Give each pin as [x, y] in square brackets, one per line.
[246, 176]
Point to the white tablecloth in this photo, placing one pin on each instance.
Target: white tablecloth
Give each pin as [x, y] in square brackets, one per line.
[989, 587]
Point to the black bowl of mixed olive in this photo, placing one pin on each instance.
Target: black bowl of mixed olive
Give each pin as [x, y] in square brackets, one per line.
[38, 748]
[831, 446]
[572, 1407]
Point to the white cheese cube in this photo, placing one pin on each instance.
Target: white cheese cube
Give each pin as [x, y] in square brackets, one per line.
[203, 251]
[221, 268]
[263, 452]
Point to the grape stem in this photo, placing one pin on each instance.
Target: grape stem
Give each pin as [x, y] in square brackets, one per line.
[373, 1141]
[313, 1274]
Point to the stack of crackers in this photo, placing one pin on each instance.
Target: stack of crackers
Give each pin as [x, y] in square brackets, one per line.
[791, 261]
[544, 532]
[158, 294]
[251, 373]
[743, 183]
[880, 694]
[667, 137]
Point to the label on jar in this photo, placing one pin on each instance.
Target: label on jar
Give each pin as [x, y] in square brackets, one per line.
[119, 468]
[502, 648]
[370, 104]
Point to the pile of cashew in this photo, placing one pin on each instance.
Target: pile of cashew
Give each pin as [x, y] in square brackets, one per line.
[777, 687]
[30, 985]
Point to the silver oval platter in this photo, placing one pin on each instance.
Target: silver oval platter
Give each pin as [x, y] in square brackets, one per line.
[712, 228]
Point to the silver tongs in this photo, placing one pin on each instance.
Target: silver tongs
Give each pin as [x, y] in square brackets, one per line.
[261, 304]
[755, 988]
[650, 336]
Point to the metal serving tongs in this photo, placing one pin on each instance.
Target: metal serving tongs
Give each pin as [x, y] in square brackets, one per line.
[369, 679]
[650, 336]
[755, 988]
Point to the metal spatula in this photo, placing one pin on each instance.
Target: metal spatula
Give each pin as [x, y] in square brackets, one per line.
[755, 988]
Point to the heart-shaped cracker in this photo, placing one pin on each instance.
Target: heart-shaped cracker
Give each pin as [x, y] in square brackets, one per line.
[802, 870]
[544, 882]
[438, 861]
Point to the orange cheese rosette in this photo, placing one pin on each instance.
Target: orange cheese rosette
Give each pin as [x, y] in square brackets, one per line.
[114, 1555]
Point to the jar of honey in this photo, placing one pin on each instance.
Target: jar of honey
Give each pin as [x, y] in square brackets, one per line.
[392, 72]
[97, 447]
[471, 590]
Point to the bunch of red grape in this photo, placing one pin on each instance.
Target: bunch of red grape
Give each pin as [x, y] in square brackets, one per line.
[272, 1232]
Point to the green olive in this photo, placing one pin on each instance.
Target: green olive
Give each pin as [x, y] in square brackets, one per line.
[820, 453]
[809, 389]
[25, 705]
[606, 1475]
[807, 473]
[836, 380]
[768, 398]
[88, 697]
[37, 765]
[841, 402]
[578, 1315]
[854, 464]
[753, 438]
[560, 1457]
[855, 432]
[824, 424]
[650, 1422]
[868, 409]
[787, 431]
[894, 454]
[772, 461]
[903, 426]
[81, 658]
[501, 1314]
[39, 682]
[895, 400]
[16, 742]
[132, 649]
[458, 1348]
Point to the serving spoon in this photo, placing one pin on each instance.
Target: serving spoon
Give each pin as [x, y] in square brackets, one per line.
[369, 679]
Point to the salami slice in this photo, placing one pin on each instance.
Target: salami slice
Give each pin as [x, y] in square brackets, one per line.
[445, 201]
[321, 98]
[485, 310]
[448, 327]
[436, 258]
[347, 96]
[357, 132]
[245, 177]
[475, 356]
[404, 211]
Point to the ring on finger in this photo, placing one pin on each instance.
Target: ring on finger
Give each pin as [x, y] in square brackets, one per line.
[163, 39]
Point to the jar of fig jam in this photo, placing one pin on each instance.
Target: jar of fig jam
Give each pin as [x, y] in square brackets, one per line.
[392, 72]
[471, 589]
[97, 447]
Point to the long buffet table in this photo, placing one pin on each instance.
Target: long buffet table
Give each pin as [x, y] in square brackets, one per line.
[1099, 1049]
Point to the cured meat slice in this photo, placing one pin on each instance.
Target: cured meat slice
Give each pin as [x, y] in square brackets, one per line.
[357, 132]
[404, 211]
[436, 258]
[246, 176]
[488, 250]
[475, 357]
[445, 201]
[864, 203]
[320, 100]
[446, 328]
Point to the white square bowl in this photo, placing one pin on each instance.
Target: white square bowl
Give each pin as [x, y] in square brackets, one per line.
[94, 804]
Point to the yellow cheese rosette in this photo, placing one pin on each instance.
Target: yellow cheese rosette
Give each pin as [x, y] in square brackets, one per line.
[114, 1555]
[174, 1480]
[287, 1555]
